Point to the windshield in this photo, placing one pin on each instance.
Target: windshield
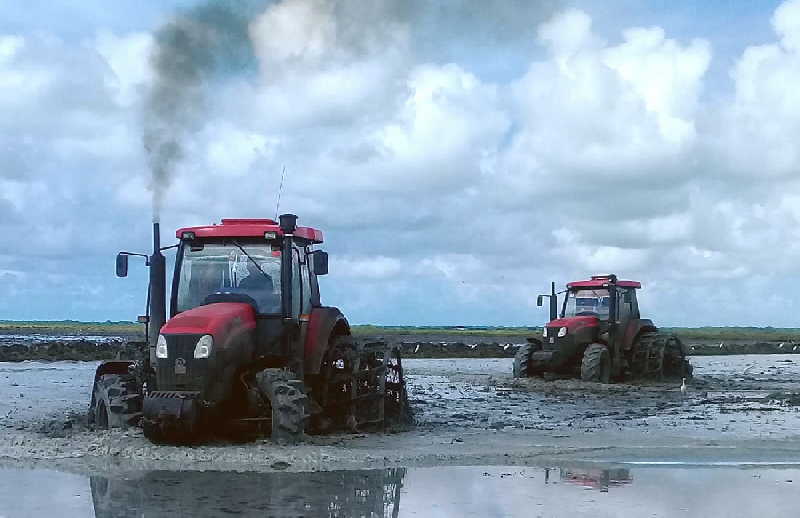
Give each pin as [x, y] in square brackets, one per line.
[587, 303]
[224, 268]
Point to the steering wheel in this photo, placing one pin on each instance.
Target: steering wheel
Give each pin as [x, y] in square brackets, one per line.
[586, 314]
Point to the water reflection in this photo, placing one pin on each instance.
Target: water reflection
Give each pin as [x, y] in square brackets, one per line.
[597, 478]
[442, 491]
[363, 493]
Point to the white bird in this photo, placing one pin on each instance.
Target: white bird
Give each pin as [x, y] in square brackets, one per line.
[683, 386]
[780, 346]
[721, 344]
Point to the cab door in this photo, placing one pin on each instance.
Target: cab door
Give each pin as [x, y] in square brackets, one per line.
[301, 292]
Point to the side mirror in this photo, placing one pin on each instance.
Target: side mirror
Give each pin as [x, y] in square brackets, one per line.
[122, 265]
[539, 300]
[319, 262]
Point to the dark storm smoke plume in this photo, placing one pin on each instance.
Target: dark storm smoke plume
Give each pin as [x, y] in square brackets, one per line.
[192, 51]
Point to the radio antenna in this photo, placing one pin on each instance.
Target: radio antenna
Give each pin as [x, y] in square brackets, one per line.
[280, 190]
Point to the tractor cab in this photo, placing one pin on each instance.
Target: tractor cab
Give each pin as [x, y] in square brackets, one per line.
[597, 296]
[254, 271]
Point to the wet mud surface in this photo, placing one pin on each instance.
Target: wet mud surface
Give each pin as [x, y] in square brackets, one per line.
[468, 411]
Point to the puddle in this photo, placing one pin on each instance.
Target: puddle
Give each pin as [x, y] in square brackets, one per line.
[587, 490]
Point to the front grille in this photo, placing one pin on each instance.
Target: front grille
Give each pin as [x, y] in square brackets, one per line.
[180, 370]
[551, 342]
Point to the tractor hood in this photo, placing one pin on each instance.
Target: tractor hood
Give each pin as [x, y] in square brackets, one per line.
[219, 320]
[575, 323]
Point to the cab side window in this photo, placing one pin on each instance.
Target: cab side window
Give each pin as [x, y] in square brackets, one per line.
[627, 303]
[297, 284]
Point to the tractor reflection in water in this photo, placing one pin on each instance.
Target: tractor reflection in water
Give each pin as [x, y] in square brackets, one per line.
[368, 493]
[592, 478]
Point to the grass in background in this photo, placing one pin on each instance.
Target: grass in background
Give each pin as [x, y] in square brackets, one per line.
[363, 330]
[68, 327]
[72, 327]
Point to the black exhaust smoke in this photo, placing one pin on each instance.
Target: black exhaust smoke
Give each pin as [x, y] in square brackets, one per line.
[158, 289]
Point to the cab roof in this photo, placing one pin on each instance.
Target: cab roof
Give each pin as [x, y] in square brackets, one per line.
[248, 227]
[602, 281]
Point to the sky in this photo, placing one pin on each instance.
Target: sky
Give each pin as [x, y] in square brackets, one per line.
[457, 155]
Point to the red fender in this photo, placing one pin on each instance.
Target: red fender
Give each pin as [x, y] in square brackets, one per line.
[636, 326]
[323, 323]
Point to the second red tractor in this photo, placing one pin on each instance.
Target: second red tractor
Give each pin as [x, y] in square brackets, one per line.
[601, 336]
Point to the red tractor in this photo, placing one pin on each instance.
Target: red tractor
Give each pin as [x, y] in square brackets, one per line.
[248, 346]
[600, 336]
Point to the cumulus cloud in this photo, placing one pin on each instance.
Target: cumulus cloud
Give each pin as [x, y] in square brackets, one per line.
[448, 194]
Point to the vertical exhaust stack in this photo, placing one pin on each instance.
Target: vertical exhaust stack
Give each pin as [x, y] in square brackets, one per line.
[288, 224]
[553, 302]
[158, 289]
[294, 347]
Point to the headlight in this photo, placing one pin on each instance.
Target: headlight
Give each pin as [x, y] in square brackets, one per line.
[161, 347]
[203, 347]
[562, 332]
[544, 332]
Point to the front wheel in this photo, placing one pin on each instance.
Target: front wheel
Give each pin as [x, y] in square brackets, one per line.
[522, 361]
[116, 402]
[288, 403]
[596, 364]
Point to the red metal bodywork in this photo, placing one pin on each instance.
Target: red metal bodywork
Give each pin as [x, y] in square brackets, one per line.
[603, 283]
[248, 228]
[575, 323]
[223, 321]
[636, 326]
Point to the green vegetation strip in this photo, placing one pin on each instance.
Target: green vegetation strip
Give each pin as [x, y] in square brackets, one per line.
[72, 327]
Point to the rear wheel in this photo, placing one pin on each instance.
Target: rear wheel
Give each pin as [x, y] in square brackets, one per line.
[116, 402]
[596, 364]
[360, 385]
[522, 361]
[676, 365]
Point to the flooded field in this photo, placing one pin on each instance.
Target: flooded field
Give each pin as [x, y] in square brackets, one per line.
[610, 450]
[491, 491]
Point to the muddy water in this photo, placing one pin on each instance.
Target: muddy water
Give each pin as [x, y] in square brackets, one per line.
[580, 490]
